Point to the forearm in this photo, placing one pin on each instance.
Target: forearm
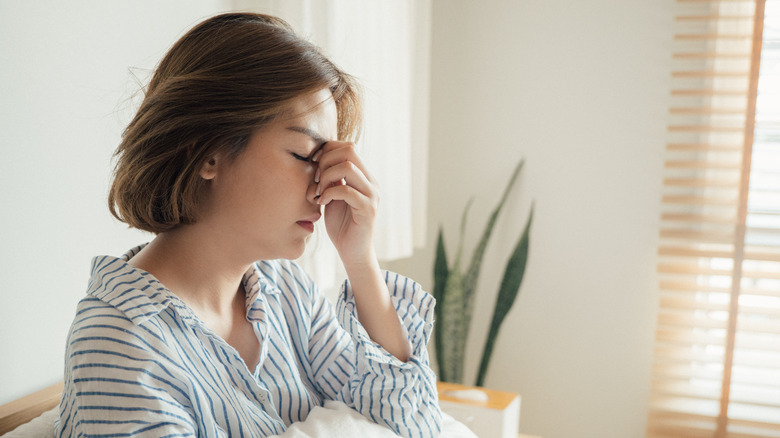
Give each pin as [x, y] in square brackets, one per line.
[375, 309]
[399, 394]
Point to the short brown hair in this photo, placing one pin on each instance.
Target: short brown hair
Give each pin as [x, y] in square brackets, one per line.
[227, 77]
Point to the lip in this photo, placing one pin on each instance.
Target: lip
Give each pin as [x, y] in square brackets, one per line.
[308, 223]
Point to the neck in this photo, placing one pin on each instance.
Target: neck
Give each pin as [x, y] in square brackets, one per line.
[198, 268]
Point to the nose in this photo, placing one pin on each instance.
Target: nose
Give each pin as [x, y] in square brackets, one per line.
[311, 192]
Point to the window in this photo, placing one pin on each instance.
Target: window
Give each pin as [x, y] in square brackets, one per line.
[716, 370]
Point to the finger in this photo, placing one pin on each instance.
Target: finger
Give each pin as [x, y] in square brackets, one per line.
[347, 173]
[311, 194]
[334, 152]
[360, 205]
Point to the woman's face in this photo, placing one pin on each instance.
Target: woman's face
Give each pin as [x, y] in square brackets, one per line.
[263, 201]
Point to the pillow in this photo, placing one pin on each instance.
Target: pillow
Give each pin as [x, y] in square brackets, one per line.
[41, 426]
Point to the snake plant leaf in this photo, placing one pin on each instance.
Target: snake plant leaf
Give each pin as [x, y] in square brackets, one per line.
[452, 330]
[450, 342]
[440, 274]
[461, 236]
[472, 275]
[508, 291]
[440, 270]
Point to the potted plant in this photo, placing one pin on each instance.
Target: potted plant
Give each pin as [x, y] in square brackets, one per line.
[455, 293]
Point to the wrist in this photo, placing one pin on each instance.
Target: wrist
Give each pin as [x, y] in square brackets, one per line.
[360, 261]
[365, 274]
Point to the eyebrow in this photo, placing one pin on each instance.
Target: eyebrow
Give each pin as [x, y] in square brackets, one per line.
[318, 139]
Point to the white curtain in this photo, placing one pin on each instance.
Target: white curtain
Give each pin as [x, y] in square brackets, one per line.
[386, 45]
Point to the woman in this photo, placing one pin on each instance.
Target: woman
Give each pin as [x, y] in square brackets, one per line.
[240, 145]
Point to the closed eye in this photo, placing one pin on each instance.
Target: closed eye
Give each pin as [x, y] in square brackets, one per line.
[309, 158]
[301, 158]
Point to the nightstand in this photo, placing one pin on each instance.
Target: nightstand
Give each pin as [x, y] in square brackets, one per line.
[495, 414]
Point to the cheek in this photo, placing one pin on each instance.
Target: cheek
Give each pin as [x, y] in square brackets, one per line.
[286, 184]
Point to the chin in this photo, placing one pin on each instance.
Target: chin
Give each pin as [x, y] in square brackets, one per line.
[294, 252]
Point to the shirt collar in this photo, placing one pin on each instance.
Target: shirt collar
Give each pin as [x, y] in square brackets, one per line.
[140, 296]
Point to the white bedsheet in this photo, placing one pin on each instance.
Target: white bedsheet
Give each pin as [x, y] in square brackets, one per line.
[336, 419]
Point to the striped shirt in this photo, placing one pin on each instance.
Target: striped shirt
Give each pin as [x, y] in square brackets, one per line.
[139, 362]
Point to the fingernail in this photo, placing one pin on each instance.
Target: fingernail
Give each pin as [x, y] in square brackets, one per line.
[316, 156]
[317, 193]
[317, 177]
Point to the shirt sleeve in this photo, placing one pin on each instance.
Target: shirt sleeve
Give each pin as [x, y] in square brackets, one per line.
[352, 368]
[116, 385]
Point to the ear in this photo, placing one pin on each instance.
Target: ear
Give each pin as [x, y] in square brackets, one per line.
[209, 169]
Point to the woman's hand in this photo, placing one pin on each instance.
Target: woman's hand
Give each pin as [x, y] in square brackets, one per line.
[351, 198]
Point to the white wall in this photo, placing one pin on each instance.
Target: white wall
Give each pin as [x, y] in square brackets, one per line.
[579, 89]
[64, 99]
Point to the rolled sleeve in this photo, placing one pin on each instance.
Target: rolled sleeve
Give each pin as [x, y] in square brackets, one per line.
[401, 395]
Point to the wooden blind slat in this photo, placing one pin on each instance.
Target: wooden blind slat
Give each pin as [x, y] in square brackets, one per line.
[759, 424]
[703, 147]
[700, 55]
[699, 182]
[713, 17]
[698, 218]
[707, 110]
[687, 302]
[697, 253]
[676, 431]
[689, 269]
[707, 92]
[762, 275]
[699, 236]
[696, 200]
[763, 256]
[683, 288]
[683, 423]
[715, 1]
[705, 128]
[709, 74]
[714, 36]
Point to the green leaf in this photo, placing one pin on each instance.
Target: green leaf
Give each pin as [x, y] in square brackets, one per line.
[451, 327]
[472, 275]
[440, 269]
[508, 291]
[462, 234]
[440, 274]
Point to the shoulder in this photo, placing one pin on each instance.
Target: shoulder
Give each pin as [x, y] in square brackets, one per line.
[105, 348]
[102, 327]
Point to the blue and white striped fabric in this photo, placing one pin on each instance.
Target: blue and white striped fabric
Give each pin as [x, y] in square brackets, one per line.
[139, 362]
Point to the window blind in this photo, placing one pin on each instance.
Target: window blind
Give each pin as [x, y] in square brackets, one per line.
[716, 369]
